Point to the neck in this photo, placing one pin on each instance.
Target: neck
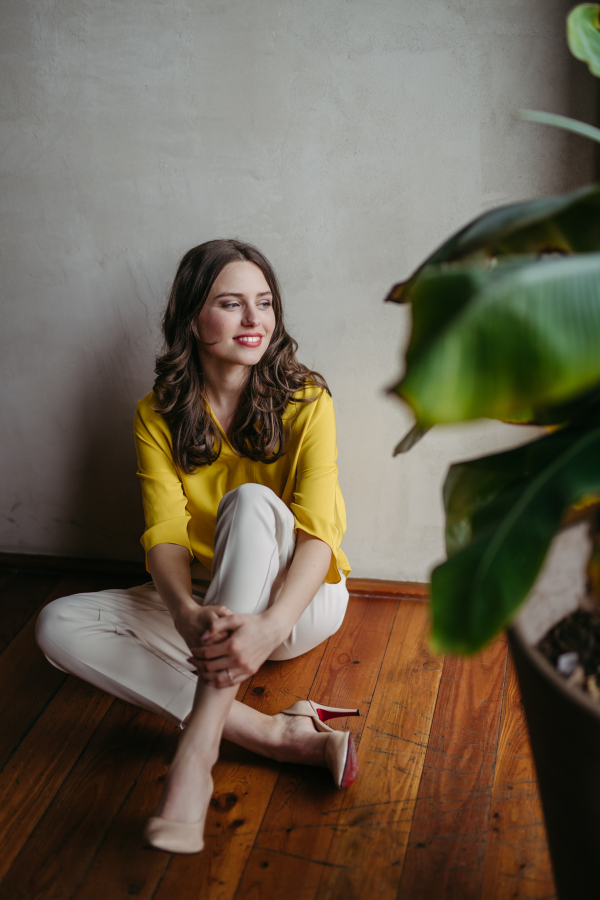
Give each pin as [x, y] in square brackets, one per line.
[223, 383]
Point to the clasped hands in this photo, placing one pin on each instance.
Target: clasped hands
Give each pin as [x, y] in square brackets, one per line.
[226, 648]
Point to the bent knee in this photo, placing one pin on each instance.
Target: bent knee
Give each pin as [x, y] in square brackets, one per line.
[251, 496]
[55, 627]
[251, 493]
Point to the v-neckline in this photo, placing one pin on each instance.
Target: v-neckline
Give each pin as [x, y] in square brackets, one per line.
[220, 427]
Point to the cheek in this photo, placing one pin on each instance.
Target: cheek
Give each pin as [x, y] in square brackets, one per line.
[271, 322]
[213, 327]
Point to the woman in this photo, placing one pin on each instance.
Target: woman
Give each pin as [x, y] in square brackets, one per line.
[236, 450]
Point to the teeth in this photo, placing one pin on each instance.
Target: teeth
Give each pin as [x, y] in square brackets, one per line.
[249, 340]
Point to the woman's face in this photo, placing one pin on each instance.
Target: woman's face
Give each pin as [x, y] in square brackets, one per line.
[238, 319]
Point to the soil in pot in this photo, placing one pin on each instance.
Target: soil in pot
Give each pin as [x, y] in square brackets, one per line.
[572, 646]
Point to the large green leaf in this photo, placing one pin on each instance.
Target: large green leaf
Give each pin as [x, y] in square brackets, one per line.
[564, 122]
[566, 223]
[503, 512]
[583, 35]
[513, 342]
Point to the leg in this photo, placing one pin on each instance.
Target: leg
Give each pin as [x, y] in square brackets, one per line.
[188, 787]
[124, 642]
[254, 545]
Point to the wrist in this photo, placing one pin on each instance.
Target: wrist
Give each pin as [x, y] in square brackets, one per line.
[184, 610]
[279, 621]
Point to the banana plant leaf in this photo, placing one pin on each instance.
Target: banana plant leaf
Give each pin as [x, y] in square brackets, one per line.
[503, 512]
[517, 342]
[566, 224]
[410, 439]
[583, 35]
[564, 122]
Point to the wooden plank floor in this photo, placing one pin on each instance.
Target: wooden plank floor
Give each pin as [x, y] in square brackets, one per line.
[445, 804]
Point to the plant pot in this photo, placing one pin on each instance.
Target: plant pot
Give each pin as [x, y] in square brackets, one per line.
[563, 721]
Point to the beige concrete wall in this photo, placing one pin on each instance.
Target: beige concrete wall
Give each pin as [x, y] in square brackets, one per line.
[345, 137]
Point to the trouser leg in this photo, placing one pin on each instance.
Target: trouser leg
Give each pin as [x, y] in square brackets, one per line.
[125, 642]
[254, 546]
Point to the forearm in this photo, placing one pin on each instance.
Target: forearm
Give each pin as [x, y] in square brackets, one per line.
[305, 576]
[170, 569]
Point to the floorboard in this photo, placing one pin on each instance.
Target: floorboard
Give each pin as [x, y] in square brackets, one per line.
[42, 761]
[517, 863]
[445, 804]
[33, 681]
[303, 811]
[446, 850]
[20, 597]
[367, 851]
[62, 845]
[243, 787]
[122, 867]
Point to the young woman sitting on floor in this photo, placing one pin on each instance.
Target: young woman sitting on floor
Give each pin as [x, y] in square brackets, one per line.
[244, 522]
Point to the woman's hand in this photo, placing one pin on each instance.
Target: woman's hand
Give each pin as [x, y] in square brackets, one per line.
[235, 648]
[193, 623]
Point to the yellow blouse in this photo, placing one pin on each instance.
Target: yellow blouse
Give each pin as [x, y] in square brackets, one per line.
[182, 509]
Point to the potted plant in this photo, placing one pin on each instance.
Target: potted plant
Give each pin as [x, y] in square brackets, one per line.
[506, 325]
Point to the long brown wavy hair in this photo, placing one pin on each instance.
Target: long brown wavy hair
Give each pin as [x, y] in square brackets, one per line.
[257, 430]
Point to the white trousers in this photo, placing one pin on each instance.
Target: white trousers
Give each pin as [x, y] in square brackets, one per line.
[125, 642]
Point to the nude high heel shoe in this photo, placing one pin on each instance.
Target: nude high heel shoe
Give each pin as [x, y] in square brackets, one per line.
[177, 837]
[340, 750]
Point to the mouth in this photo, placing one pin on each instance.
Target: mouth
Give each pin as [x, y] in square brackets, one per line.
[249, 340]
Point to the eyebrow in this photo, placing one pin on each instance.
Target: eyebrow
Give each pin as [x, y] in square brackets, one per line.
[241, 296]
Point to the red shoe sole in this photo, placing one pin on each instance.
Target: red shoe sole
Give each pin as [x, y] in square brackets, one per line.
[351, 767]
[325, 714]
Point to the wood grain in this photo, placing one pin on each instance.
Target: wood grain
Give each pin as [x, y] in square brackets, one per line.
[432, 814]
[447, 841]
[243, 786]
[517, 862]
[28, 682]
[61, 846]
[122, 866]
[20, 598]
[33, 681]
[393, 590]
[371, 833]
[302, 814]
[42, 761]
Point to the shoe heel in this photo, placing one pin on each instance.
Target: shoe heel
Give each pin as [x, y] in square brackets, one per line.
[334, 712]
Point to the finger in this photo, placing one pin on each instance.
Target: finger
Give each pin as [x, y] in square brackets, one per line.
[212, 651]
[222, 664]
[218, 612]
[209, 638]
[210, 667]
[226, 623]
[223, 611]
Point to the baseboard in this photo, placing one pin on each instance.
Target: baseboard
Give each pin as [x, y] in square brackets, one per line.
[26, 562]
[388, 590]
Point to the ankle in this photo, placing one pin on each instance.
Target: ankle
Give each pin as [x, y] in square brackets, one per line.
[297, 741]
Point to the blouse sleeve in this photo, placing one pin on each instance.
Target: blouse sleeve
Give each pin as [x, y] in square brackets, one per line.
[165, 511]
[316, 501]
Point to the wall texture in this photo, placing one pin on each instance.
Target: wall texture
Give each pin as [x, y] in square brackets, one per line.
[345, 137]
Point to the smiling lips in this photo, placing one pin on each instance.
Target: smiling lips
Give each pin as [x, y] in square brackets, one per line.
[249, 340]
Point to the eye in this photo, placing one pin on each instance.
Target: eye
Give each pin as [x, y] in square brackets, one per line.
[230, 304]
[265, 304]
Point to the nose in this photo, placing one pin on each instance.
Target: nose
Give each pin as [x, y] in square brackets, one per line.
[250, 317]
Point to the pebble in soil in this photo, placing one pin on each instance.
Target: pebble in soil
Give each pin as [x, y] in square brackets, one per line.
[579, 632]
